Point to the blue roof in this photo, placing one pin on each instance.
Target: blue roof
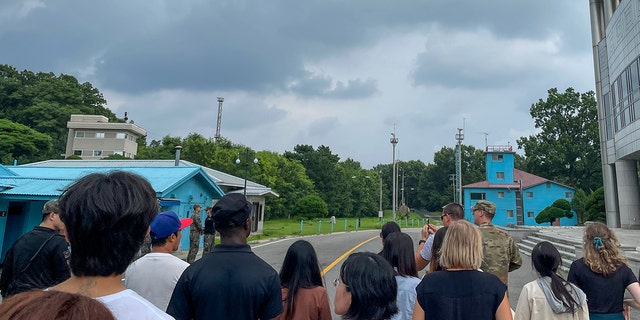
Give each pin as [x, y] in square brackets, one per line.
[52, 180]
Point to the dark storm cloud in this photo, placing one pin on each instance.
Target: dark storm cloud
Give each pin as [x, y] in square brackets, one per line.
[322, 86]
[142, 46]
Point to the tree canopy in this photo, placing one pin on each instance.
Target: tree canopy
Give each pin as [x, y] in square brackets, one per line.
[567, 148]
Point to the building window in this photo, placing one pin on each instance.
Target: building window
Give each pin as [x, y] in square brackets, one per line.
[509, 213]
[99, 135]
[529, 214]
[500, 175]
[548, 185]
[121, 135]
[500, 194]
[478, 196]
[568, 195]
[529, 194]
[77, 152]
[497, 157]
[97, 153]
[79, 134]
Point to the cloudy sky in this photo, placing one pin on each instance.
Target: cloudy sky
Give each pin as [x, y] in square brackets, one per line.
[319, 72]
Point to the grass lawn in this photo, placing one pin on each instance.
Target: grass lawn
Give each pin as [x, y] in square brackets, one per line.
[284, 227]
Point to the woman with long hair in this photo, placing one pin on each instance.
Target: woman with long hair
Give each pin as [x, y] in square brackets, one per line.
[366, 288]
[550, 296]
[398, 251]
[303, 294]
[603, 274]
[438, 238]
[461, 291]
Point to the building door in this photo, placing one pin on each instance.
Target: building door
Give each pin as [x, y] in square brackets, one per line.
[16, 221]
[255, 214]
[519, 209]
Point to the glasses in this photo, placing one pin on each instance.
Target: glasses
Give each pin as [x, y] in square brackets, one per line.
[337, 282]
[443, 215]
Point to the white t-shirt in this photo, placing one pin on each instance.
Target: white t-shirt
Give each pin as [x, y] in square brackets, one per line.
[128, 305]
[154, 276]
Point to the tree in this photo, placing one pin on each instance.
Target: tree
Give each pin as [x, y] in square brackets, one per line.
[558, 209]
[45, 102]
[567, 148]
[311, 206]
[18, 142]
[594, 206]
[578, 204]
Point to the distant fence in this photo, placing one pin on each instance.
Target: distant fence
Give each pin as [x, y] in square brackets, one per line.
[342, 225]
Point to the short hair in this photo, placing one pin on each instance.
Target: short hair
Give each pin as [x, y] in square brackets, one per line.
[162, 241]
[208, 208]
[462, 246]
[454, 210]
[605, 259]
[107, 217]
[53, 305]
[50, 206]
[197, 205]
[371, 281]
[388, 228]
[300, 269]
[398, 251]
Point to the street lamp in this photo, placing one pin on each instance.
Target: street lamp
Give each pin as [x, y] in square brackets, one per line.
[246, 169]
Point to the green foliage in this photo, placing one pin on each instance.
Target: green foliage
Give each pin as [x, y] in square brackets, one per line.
[558, 209]
[594, 206]
[578, 204]
[21, 142]
[567, 148]
[73, 157]
[311, 206]
[116, 156]
[45, 102]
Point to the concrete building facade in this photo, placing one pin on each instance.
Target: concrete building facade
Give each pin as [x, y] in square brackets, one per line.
[615, 31]
[94, 137]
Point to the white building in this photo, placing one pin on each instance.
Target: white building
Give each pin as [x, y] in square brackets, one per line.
[94, 137]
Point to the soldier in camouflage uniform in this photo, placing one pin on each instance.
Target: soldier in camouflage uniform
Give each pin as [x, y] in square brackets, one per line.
[195, 233]
[501, 254]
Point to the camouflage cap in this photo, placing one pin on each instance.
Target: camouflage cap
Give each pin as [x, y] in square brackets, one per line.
[485, 206]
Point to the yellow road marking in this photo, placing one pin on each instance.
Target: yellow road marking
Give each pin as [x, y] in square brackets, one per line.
[333, 264]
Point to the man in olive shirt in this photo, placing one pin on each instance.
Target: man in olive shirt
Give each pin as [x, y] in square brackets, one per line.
[501, 254]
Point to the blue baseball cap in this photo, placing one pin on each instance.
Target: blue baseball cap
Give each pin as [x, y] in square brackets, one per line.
[167, 223]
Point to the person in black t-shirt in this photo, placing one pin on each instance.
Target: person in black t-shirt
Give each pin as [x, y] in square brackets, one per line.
[209, 232]
[38, 259]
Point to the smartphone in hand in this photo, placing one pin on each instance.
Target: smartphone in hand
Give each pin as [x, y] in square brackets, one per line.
[428, 221]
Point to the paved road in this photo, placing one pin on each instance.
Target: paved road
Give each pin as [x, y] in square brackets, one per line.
[331, 247]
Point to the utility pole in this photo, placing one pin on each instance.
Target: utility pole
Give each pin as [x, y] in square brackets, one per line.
[219, 122]
[459, 137]
[394, 141]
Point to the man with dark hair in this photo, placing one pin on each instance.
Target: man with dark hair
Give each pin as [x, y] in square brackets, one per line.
[450, 212]
[107, 217]
[194, 233]
[38, 259]
[250, 286]
[500, 253]
[154, 275]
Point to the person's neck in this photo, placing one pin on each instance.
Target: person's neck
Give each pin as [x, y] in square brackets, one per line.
[46, 224]
[92, 286]
[162, 249]
[233, 240]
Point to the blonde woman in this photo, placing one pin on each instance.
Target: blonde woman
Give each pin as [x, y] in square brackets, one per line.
[603, 274]
[460, 291]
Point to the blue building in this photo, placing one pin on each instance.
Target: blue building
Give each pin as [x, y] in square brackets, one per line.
[25, 189]
[519, 196]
